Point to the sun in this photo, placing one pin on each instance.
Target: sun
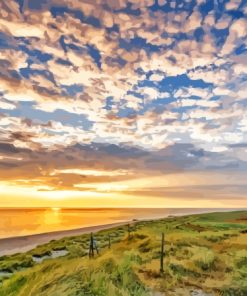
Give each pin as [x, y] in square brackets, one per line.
[56, 209]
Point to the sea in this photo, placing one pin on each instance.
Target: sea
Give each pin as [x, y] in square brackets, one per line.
[27, 221]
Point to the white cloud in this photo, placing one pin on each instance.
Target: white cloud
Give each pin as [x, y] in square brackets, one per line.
[237, 30]
[200, 103]
[7, 105]
[157, 77]
[233, 4]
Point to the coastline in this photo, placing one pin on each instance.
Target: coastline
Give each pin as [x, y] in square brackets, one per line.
[22, 244]
[206, 242]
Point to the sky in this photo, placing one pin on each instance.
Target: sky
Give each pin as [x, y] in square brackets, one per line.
[115, 103]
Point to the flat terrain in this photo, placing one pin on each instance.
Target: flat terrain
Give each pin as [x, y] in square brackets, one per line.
[204, 255]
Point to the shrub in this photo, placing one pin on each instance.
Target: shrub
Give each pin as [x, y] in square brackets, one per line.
[205, 259]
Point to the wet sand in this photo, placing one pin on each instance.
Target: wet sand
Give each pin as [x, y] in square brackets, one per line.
[21, 244]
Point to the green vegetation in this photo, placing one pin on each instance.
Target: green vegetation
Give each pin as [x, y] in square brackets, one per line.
[202, 253]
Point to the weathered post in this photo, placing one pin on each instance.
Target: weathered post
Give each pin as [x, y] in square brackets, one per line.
[91, 246]
[129, 231]
[109, 241]
[162, 253]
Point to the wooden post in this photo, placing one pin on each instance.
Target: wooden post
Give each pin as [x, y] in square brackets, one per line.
[162, 253]
[109, 241]
[91, 246]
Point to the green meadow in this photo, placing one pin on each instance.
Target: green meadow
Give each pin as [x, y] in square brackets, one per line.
[204, 254]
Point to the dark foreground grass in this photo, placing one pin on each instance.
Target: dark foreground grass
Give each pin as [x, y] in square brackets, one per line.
[205, 252]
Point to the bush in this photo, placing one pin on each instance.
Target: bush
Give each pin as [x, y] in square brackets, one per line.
[145, 246]
[205, 260]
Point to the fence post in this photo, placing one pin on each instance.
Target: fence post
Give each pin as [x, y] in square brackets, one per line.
[162, 253]
[91, 246]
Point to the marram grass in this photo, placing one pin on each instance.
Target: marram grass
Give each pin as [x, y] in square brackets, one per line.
[203, 253]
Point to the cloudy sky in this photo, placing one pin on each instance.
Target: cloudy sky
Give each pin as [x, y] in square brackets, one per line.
[123, 103]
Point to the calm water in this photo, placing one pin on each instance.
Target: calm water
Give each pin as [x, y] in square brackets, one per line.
[19, 222]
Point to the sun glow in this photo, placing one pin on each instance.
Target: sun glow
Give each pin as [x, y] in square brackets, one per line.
[95, 173]
[139, 191]
[56, 209]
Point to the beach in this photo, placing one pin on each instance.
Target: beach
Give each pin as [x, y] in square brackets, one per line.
[21, 244]
[197, 251]
[18, 232]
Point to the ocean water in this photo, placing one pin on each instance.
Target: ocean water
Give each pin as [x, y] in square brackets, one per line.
[20, 221]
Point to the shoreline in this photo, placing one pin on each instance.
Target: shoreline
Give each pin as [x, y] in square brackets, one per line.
[22, 244]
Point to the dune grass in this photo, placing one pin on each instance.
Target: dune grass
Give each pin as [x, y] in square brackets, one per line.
[204, 252]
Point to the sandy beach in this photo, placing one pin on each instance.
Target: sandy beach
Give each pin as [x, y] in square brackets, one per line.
[21, 244]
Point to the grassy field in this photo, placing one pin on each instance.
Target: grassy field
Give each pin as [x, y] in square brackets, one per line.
[204, 255]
